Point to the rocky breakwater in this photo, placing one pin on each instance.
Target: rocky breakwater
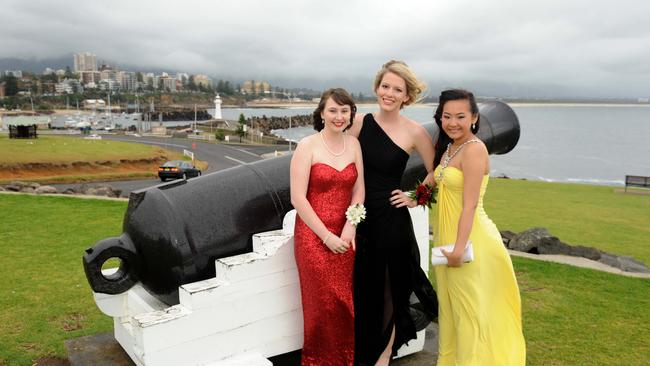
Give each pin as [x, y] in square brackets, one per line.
[36, 188]
[540, 241]
[266, 124]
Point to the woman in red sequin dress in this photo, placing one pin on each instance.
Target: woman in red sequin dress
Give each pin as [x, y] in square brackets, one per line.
[326, 178]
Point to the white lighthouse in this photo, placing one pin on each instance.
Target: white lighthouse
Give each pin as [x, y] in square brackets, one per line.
[217, 107]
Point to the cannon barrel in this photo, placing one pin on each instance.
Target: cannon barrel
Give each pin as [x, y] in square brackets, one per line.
[172, 233]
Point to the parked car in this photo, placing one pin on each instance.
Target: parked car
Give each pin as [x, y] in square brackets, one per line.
[177, 169]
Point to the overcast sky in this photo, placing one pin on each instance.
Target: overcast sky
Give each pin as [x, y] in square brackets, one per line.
[529, 48]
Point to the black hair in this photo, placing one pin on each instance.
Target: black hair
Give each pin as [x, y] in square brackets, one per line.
[443, 138]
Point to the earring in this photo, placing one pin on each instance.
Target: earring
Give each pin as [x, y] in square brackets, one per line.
[473, 126]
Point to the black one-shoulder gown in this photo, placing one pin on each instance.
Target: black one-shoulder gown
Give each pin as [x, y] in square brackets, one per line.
[387, 263]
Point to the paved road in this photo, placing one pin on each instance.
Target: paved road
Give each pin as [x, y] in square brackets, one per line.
[218, 157]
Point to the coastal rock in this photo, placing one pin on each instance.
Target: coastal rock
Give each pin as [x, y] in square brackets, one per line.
[12, 188]
[69, 191]
[527, 241]
[45, 189]
[539, 241]
[506, 236]
[22, 184]
[625, 263]
[2, 189]
[586, 252]
[27, 190]
[105, 191]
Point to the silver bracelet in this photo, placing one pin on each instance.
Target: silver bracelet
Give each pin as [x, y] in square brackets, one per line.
[329, 233]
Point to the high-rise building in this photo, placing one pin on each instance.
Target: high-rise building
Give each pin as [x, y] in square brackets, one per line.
[14, 73]
[88, 77]
[85, 62]
[202, 80]
[127, 80]
[256, 87]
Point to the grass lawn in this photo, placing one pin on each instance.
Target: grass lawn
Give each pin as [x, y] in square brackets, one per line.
[572, 316]
[575, 316]
[594, 216]
[66, 149]
[45, 296]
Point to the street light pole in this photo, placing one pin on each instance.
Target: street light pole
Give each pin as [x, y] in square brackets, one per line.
[289, 121]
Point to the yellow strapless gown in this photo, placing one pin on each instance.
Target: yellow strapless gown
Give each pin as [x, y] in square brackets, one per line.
[479, 304]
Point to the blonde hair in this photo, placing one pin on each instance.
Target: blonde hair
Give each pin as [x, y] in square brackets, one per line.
[414, 87]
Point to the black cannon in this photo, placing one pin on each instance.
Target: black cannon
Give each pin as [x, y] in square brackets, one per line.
[174, 232]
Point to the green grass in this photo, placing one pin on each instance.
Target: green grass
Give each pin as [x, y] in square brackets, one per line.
[45, 298]
[572, 316]
[62, 149]
[576, 316]
[594, 216]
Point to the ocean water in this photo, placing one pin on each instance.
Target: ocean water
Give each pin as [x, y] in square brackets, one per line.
[593, 144]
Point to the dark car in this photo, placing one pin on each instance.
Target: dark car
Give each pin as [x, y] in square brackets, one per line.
[177, 169]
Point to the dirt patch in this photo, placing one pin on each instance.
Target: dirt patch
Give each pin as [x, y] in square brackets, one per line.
[51, 361]
[72, 322]
[29, 171]
[28, 346]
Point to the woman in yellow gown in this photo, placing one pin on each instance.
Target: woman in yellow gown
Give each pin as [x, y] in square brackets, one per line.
[479, 304]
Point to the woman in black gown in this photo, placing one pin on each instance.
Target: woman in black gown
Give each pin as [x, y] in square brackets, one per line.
[387, 263]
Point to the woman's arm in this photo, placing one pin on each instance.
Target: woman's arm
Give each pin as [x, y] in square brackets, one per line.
[299, 181]
[358, 192]
[423, 144]
[473, 164]
[356, 126]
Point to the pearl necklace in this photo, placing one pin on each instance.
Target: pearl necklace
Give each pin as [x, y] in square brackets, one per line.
[448, 156]
[328, 148]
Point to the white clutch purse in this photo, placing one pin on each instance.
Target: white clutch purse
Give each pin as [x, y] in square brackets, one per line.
[437, 258]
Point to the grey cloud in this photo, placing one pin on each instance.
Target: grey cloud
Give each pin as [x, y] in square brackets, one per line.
[535, 48]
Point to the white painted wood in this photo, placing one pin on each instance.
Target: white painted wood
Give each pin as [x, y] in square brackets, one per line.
[251, 310]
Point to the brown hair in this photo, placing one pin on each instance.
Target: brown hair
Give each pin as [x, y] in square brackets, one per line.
[414, 87]
[341, 97]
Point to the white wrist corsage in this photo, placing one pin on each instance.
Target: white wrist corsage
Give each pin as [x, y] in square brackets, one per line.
[355, 214]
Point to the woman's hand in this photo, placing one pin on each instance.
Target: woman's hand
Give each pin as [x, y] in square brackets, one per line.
[401, 199]
[454, 258]
[430, 179]
[336, 244]
[349, 234]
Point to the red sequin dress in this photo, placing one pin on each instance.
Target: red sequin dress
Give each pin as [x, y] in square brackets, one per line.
[326, 277]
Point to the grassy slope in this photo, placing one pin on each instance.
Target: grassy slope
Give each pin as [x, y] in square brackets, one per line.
[61, 149]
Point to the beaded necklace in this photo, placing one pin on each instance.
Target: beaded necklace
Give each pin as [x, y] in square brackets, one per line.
[448, 156]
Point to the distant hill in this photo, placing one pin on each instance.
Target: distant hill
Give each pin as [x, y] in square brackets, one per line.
[35, 65]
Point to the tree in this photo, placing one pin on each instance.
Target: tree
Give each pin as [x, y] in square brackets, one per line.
[220, 86]
[191, 84]
[11, 85]
[228, 90]
[240, 131]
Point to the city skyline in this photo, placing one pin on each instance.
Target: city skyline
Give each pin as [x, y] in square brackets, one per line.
[528, 49]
